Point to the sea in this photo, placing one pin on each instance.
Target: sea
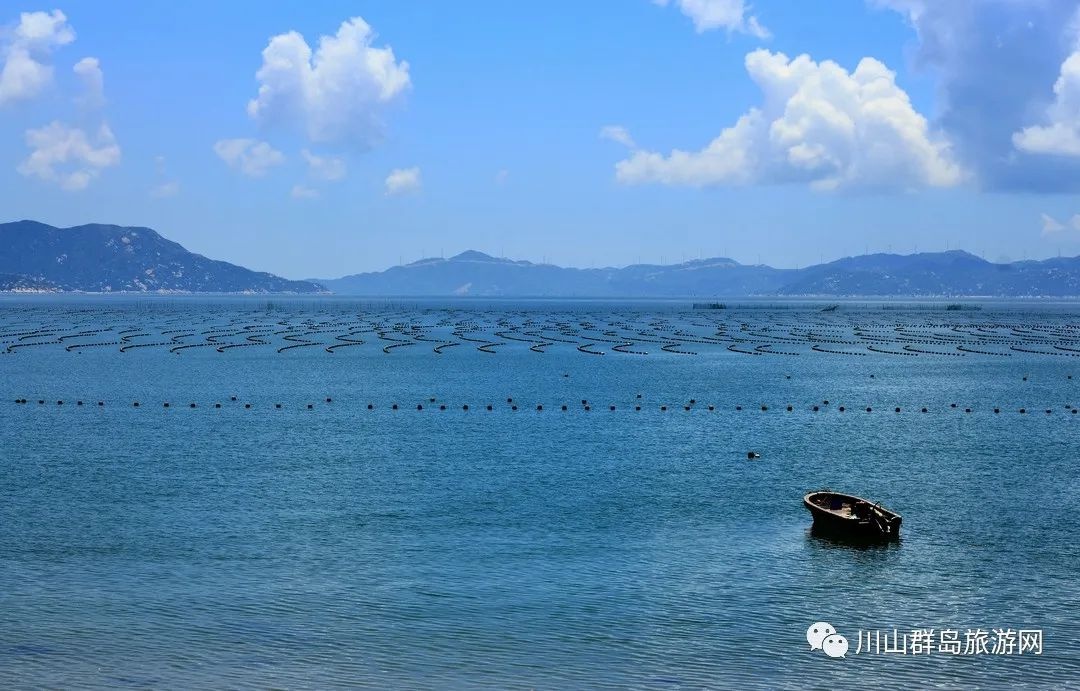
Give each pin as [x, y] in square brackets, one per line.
[275, 492]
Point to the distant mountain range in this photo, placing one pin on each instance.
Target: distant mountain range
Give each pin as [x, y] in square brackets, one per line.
[930, 274]
[106, 258]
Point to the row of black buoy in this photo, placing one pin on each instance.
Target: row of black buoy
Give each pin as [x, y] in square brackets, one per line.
[584, 405]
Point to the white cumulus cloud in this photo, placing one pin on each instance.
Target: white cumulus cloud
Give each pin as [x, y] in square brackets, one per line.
[403, 181]
[731, 15]
[88, 70]
[336, 93]
[818, 124]
[25, 51]
[327, 168]
[1060, 135]
[251, 157]
[68, 156]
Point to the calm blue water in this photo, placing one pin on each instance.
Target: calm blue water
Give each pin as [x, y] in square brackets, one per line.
[340, 546]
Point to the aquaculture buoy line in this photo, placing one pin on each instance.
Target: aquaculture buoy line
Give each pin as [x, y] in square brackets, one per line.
[511, 404]
[387, 329]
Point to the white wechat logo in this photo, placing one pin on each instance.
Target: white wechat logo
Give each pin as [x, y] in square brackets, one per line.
[822, 636]
[835, 645]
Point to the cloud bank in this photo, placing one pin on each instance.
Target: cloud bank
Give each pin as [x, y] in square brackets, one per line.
[68, 156]
[819, 124]
[1007, 81]
[26, 72]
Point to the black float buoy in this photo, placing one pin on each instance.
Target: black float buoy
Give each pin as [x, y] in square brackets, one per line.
[41, 401]
[789, 409]
[489, 406]
[588, 408]
[825, 402]
[764, 407]
[277, 405]
[247, 406]
[419, 406]
[164, 405]
[1022, 411]
[442, 407]
[539, 407]
[564, 407]
[310, 406]
[637, 407]
[738, 407]
[924, 410]
[712, 408]
[217, 405]
[1047, 411]
[952, 405]
[509, 400]
[584, 402]
[639, 395]
[815, 409]
[898, 409]
[869, 409]
[394, 407]
[328, 399]
[513, 407]
[100, 403]
[192, 405]
[663, 408]
[997, 410]
[841, 409]
[59, 403]
[232, 398]
[135, 404]
[967, 410]
[78, 402]
[372, 407]
[751, 455]
[465, 407]
[693, 401]
[432, 399]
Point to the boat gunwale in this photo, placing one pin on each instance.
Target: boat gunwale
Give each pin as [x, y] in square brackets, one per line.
[875, 506]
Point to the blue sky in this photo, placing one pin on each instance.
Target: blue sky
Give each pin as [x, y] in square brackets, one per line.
[586, 134]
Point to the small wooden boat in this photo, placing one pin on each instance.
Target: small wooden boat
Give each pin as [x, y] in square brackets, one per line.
[847, 516]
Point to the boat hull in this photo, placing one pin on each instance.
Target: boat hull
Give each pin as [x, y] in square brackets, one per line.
[852, 518]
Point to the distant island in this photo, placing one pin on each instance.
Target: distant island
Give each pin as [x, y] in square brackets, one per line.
[929, 274]
[108, 259]
[95, 258]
